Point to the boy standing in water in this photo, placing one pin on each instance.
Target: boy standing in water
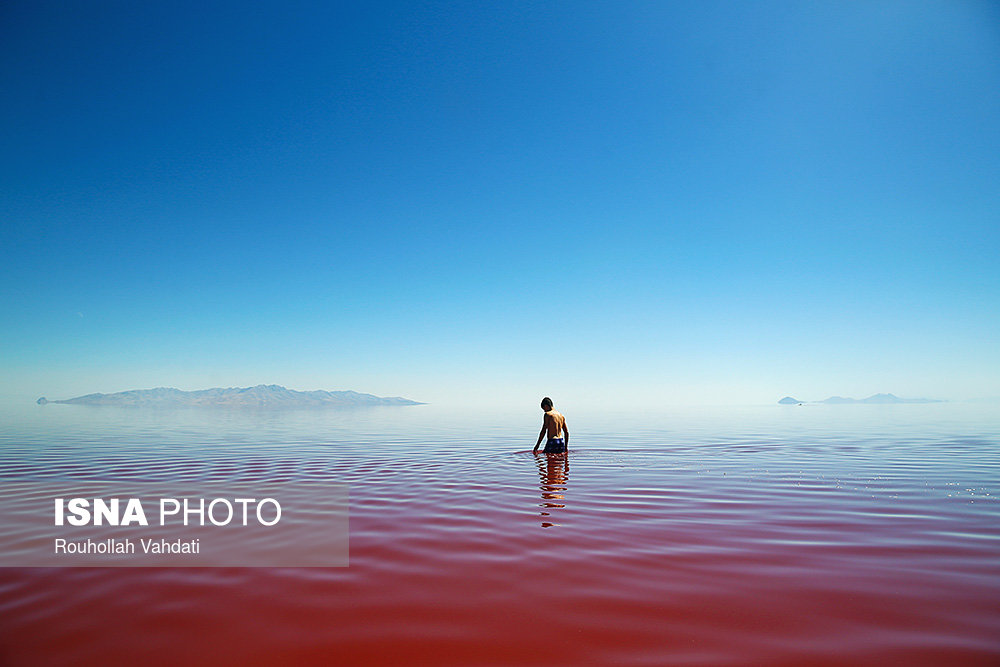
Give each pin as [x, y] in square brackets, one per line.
[553, 424]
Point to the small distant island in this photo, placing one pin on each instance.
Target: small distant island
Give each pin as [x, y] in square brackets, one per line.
[261, 396]
[877, 399]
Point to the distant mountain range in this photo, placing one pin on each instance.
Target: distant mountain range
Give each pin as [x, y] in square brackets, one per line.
[261, 396]
[873, 399]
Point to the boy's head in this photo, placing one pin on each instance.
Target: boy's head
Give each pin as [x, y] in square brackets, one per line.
[546, 404]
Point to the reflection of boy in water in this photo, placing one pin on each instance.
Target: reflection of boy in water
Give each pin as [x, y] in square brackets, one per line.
[554, 474]
[553, 425]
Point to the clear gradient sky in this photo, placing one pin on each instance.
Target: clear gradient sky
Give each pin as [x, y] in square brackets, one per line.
[687, 202]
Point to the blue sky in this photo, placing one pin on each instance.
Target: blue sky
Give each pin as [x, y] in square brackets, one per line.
[686, 203]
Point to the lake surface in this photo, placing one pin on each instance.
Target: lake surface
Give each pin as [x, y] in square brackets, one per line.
[768, 535]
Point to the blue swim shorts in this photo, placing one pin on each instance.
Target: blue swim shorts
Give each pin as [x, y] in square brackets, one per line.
[555, 446]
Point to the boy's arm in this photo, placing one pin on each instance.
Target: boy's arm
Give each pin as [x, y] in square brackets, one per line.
[541, 434]
[566, 435]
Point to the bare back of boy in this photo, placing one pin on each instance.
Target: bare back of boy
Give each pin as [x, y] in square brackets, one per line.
[554, 424]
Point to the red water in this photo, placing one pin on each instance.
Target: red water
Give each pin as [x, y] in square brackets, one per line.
[668, 547]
